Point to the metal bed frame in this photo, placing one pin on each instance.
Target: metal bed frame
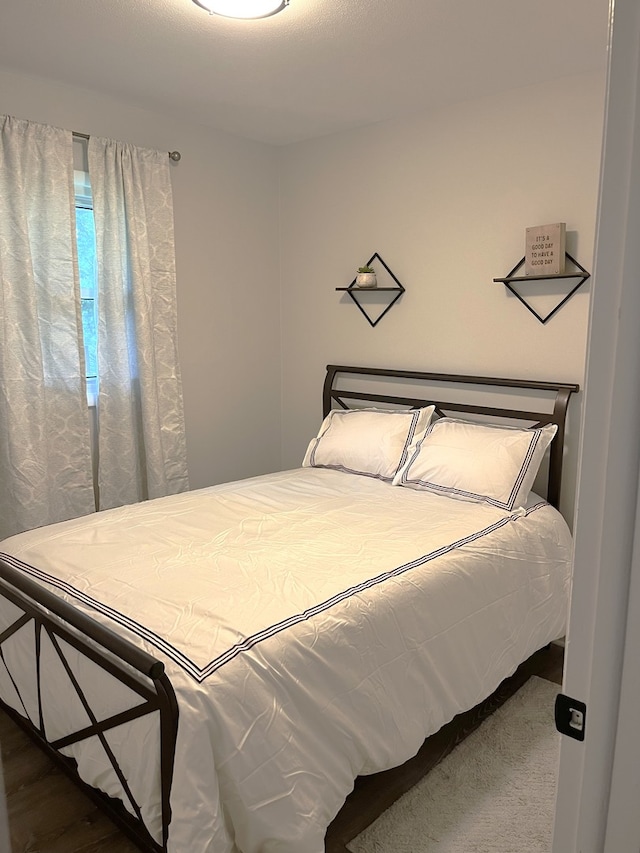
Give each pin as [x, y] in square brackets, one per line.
[55, 619]
[58, 620]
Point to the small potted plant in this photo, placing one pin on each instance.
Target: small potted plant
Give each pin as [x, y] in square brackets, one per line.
[366, 277]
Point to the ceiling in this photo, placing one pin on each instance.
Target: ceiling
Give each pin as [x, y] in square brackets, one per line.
[318, 67]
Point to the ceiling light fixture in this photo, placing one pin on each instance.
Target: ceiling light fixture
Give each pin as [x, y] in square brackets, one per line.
[243, 8]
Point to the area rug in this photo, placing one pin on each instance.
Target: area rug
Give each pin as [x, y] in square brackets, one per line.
[494, 793]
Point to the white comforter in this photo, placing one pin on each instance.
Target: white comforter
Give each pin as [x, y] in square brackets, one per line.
[315, 625]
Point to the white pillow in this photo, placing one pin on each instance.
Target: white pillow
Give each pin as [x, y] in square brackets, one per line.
[373, 442]
[476, 462]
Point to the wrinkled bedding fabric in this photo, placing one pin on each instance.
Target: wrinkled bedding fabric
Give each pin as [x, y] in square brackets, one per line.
[315, 625]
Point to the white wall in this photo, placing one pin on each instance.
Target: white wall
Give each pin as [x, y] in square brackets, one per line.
[445, 199]
[226, 203]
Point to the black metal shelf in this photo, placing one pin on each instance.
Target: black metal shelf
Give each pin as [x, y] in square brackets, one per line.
[353, 290]
[580, 273]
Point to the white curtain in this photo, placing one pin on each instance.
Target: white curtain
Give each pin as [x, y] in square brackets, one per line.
[141, 443]
[45, 467]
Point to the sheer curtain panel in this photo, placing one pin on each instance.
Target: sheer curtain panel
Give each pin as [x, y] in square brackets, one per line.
[141, 442]
[45, 470]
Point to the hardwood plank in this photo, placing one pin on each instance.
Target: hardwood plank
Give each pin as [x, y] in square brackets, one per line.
[93, 834]
[11, 736]
[23, 766]
[52, 814]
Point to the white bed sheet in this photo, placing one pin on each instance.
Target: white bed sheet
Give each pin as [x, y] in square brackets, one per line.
[315, 625]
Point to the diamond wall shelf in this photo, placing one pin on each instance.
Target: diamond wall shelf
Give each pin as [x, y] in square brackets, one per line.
[510, 282]
[359, 294]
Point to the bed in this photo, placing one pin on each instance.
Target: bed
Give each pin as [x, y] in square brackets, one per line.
[217, 667]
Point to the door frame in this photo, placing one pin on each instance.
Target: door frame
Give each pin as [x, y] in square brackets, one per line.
[597, 777]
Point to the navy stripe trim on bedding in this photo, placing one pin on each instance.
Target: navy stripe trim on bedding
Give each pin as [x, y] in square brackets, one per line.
[199, 674]
[403, 457]
[507, 505]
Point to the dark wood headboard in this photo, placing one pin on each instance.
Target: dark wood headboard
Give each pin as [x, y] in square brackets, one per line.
[344, 385]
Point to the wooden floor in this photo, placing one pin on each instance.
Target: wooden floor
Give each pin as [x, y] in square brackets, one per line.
[48, 814]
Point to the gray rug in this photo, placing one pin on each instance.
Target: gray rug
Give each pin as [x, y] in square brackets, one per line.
[495, 793]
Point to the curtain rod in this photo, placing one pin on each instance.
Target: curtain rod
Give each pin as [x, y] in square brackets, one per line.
[173, 155]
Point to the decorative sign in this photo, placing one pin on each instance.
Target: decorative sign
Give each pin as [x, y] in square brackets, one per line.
[545, 249]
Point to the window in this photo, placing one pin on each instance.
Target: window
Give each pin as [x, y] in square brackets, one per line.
[86, 242]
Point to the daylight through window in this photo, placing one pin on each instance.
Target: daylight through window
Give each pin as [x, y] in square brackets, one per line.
[86, 242]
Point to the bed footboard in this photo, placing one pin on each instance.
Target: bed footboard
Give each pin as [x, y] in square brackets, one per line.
[52, 621]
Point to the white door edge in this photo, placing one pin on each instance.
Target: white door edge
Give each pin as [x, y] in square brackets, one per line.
[605, 523]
